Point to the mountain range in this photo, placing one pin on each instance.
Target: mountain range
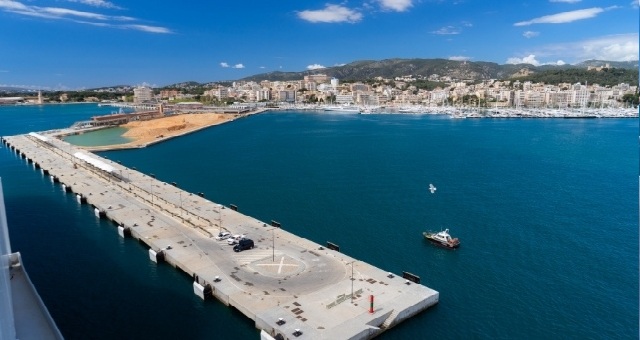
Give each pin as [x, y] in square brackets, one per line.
[463, 70]
[392, 68]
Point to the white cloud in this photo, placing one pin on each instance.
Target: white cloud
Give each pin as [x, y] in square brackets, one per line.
[396, 5]
[447, 30]
[566, 1]
[261, 67]
[620, 47]
[63, 12]
[12, 5]
[238, 66]
[331, 14]
[635, 4]
[564, 17]
[339, 64]
[146, 28]
[223, 64]
[530, 59]
[459, 58]
[81, 17]
[97, 3]
[530, 34]
[315, 67]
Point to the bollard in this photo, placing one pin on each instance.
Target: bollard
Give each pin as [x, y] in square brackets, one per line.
[370, 304]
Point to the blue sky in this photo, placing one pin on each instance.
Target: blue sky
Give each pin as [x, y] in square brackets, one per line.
[75, 44]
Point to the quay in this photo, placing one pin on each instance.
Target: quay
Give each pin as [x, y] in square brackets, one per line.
[289, 286]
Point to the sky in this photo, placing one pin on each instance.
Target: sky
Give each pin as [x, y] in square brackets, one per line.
[83, 44]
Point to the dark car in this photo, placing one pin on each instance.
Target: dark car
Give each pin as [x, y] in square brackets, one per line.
[243, 244]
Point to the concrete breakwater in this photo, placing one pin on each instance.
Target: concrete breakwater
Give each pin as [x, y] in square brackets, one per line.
[288, 285]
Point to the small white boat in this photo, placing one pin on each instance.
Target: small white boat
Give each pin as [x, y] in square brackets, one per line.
[353, 109]
[442, 238]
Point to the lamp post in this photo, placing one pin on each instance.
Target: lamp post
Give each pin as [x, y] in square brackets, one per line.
[151, 186]
[219, 219]
[352, 280]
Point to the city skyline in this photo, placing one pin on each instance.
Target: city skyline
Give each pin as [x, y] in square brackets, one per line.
[75, 44]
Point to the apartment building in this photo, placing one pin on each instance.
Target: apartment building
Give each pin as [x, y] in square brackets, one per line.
[142, 94]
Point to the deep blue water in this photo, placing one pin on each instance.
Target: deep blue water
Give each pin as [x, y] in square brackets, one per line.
[547, 212]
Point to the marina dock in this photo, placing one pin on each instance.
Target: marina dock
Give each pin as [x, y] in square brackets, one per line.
[288, 285]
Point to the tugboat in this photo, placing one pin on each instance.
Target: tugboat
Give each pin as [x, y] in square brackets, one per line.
[442, 238]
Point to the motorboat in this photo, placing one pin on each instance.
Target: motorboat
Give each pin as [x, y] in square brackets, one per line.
[442, 238]
[353, 109]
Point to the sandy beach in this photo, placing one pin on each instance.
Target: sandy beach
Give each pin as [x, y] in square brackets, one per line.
[144, 132]
[149, 132]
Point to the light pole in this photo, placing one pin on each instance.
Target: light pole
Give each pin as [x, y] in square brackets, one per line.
[151, 186]
[219, 219]
[352, 280]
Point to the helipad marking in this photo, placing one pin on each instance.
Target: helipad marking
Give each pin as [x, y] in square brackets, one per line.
[280, 265]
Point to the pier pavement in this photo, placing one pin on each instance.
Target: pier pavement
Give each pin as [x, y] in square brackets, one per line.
[288, 285]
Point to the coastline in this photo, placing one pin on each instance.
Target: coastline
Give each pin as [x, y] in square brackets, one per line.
[147, 133]
[475, 112]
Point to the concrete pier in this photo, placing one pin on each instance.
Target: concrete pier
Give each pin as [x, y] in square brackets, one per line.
[287, 284]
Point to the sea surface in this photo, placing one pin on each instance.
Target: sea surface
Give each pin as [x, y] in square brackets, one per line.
[546, 210]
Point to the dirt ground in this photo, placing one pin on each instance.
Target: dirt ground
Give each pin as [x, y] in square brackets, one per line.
[144, 132]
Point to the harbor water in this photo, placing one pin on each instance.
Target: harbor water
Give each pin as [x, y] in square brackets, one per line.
[546, 211]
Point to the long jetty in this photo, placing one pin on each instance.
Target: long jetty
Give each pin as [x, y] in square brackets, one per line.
[289, 286]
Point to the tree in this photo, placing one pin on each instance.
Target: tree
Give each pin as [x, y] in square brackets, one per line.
[631, 98]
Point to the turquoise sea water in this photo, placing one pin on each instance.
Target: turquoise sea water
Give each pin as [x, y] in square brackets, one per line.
[547, 212]
[109, 136]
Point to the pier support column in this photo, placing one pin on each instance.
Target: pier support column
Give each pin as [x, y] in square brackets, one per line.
[81, 199]
[124, 231]
[98, 213]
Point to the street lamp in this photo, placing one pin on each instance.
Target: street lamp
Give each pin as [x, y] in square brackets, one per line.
[180, 193]
[273, 244]
[151, 185]
[352, 279]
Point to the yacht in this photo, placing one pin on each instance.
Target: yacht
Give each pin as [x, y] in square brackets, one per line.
[442, 238]
[342, 109]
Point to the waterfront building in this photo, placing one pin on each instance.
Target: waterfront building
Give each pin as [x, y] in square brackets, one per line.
[170, 94]
[220, 93]
[344, 98]
[263, 94]
[559, 99]
[366, 98]
[335, 83]
[288, 96]
[142, 94]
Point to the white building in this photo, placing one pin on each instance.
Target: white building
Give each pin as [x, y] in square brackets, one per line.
[335, 83]
[344, 98]
[263, 94]
[287, 96]
[142, 94]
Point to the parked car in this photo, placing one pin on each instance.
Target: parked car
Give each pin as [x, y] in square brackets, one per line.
[243, 244]
[235, 239]
[223, 236]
